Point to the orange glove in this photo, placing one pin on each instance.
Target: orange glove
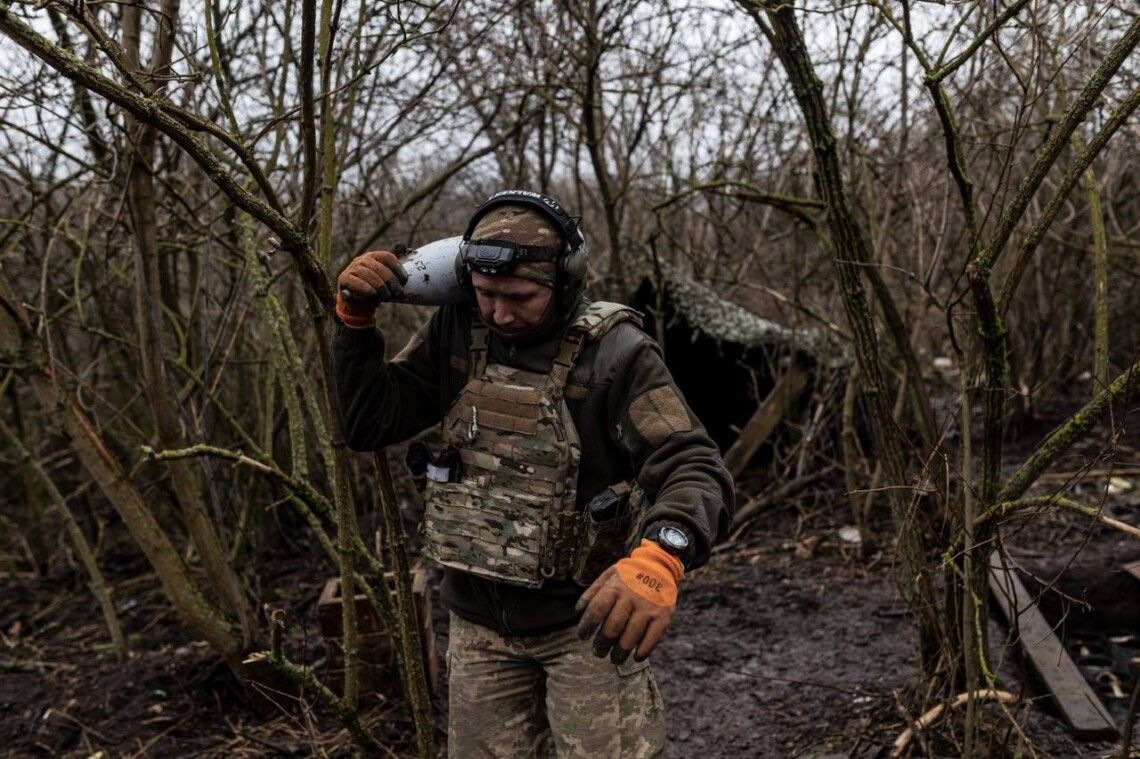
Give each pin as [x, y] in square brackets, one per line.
[632, 603]
[368, 279]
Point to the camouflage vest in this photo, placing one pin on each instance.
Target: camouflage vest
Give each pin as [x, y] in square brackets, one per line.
[510, 513]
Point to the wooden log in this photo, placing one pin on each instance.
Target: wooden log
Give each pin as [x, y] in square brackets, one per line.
[1078, 704]
[763, 422]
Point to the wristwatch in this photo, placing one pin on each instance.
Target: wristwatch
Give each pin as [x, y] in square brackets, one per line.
[673, 538]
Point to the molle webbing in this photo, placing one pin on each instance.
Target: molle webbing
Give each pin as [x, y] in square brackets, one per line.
[526, 396]
[480, 413]
[508, 408]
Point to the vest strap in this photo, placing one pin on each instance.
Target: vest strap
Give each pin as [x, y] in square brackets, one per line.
[591, 325]
[480, 339]
[573, 342]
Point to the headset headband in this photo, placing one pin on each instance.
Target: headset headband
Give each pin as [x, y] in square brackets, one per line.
[544, 204]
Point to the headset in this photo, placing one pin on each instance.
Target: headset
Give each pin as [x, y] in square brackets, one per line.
[500, 256]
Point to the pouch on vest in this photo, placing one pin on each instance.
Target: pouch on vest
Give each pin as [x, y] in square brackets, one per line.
[606, 530]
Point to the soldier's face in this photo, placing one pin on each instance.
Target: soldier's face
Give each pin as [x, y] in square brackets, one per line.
[514, 307]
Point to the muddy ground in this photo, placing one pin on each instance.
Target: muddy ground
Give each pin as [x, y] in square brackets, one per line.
[786, 645]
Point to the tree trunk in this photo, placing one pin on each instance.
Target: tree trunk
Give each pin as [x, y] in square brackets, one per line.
[850, 248]
[149, 286]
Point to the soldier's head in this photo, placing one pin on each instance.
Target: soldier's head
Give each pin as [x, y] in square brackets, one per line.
[525, 260]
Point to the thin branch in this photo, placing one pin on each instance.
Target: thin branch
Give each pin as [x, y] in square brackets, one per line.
[1007, 507]
[1068, 433]
[151, 111]
[749, 192]
[1059, 138]
[191, 120]
[1081, 162]
[949, 68]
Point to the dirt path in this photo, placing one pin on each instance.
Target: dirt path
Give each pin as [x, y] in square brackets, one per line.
[771, 654]
[775, 654]
[776, 651]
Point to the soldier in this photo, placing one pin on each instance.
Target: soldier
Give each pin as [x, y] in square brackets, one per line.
[567, 460]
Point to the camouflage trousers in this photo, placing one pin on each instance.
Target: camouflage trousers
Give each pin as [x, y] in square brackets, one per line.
[544, 696]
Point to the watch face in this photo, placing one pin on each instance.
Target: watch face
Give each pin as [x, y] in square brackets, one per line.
[673, 538]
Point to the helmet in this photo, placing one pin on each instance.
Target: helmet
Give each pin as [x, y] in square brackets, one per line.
[500, 256]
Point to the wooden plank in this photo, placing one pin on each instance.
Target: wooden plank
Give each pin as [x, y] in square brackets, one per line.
[1064, 684]
[765, 419]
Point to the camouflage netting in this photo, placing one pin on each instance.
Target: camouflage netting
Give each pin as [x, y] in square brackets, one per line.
[724, 321]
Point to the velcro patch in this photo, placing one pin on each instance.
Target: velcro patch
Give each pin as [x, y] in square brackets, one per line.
[659, 413]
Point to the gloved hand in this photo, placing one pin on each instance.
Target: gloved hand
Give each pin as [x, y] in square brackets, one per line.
[368, 279]
[632, 603]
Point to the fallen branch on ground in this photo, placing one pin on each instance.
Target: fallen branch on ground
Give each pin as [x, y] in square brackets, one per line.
[757, 504]
[932, 716]
[304, 680]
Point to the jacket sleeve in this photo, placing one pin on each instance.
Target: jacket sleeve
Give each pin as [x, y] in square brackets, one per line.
[674, 460]
[383, 402]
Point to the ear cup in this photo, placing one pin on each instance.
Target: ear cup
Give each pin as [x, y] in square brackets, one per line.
[573, 282]
[576, 264]
[461, 272]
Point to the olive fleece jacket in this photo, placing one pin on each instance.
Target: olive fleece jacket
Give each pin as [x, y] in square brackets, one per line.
[628, 413]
